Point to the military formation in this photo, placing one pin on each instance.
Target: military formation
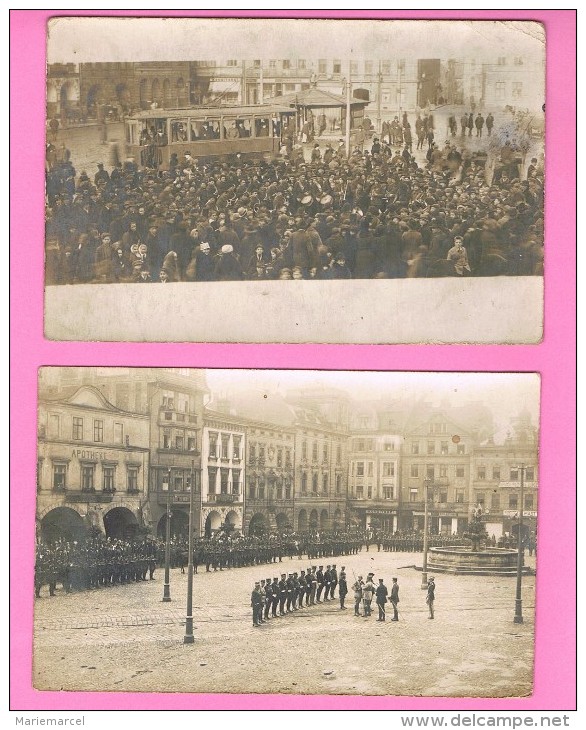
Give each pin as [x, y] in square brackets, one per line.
[94, 563]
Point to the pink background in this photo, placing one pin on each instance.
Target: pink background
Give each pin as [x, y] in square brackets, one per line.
[555, 652]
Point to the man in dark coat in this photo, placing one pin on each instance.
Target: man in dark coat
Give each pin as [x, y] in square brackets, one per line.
[228, 267]
[394, 598]
[256, 601]
[381, 599]
[430, 598]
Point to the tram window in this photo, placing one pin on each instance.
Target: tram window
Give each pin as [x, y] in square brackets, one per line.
[202, 130]
[262, 127]
[131, 132]
[153, 131]
[179, 130]
[237, 128]
[276, 126]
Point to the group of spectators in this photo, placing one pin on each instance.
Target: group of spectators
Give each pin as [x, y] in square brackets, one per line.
[378, 214]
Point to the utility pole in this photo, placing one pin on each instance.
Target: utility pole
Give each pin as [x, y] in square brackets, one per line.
[518, 600]
[188, 638]
[243, 92]
[167, 584]
[348, 112]
[426, 484]
[378, 106]
[261, 94]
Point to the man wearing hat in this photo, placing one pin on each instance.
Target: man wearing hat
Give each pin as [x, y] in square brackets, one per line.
[256, 601]
[430, 598]
[282, 593]
[395, 599]
[381, 599]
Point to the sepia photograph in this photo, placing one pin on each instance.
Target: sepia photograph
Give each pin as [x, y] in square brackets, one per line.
[393, 170]
[241, 531]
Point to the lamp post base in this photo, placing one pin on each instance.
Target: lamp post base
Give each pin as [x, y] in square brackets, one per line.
[518, 612]
[166, 593]
[424, 581]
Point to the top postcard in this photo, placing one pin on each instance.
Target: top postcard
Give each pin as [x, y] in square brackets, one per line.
[288, 181]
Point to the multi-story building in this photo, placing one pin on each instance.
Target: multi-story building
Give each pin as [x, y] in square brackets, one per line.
[374, 470]
[498, 464]
[63, 93]
[223, 473]
[92, 464]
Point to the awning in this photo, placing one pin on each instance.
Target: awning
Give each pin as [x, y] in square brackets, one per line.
[219, 87]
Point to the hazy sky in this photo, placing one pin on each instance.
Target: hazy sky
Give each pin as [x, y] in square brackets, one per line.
[164, 39]
[505, 394]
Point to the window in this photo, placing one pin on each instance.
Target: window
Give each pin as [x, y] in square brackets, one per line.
[301, 63]
[401, 65]
[179, 130]
[370, 468]
[338, 454]
[225, 442]
[338, 483]
[459, 496]
[304, 483]
[179, 443]
[415, 447]
[360, 492]
[272, 63]
[166, 441]
[87, 477]
[324, 486]
[528, 501]
[530, 474]
[496, 473]
[413, 495]
[322, 66]
[443, 496]
[279, 457]
[513, 501]
[261, 454]
[388, 492]
[232, 62]
[59, 477]
[304, 450]
[191, 443]
[314, 484]
[54, 424]
[514, 474]
[212, 472]
[286, 64]
[178, 483]
[386, 68]
[287, 457]
[518, 60]
[431, 447]
[430, 471]
[359, 468]
[236, 448]
[443, 472]
[224, 481]
[479, 497]
[501, 61]
[369, 492]
[326, 452]
[235, 481]
[98, 430]
[132, 478]
[495, 501]
[389, 446]
[78, 428]
[461, 449]
[414, 470]
[444, 448]
[118, 433]
[499, 90]
[261, 489]
[368, 67]
[337, 67]
[517, 89]
[108, 478]
[481, 473]
[359, 445]
[354, 67]
[314, 451]
[460, 472]
[388, 469]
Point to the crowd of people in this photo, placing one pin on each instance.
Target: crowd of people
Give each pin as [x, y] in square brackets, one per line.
[80, 565]
[377, 214]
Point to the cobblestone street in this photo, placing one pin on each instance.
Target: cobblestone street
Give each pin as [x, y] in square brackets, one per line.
[124, 638]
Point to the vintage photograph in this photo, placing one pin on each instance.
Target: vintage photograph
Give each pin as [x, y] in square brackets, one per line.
[241, 531]
[381, 165]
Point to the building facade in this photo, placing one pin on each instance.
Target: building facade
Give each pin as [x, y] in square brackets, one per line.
[92, 466]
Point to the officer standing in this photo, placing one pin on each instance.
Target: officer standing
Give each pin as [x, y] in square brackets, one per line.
[256, 601]
[381, 599]
[395, 599]
[430, 595]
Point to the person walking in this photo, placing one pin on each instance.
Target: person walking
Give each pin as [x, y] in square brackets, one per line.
[430, 595]
[381, 599]
[395, 599]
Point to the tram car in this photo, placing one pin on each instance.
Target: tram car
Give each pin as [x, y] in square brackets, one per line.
[154, 136]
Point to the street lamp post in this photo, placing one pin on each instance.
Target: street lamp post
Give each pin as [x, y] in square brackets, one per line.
[167, 585]
[188, 638]
[426, 483]
[518, 600]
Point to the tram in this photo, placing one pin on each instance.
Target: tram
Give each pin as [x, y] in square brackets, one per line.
[153, 136]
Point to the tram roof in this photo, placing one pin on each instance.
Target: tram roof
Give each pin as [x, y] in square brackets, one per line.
[212, 111]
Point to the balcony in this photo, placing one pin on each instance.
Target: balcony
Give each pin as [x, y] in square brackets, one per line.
[88, 495]
[176, 497]
[223, 498]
